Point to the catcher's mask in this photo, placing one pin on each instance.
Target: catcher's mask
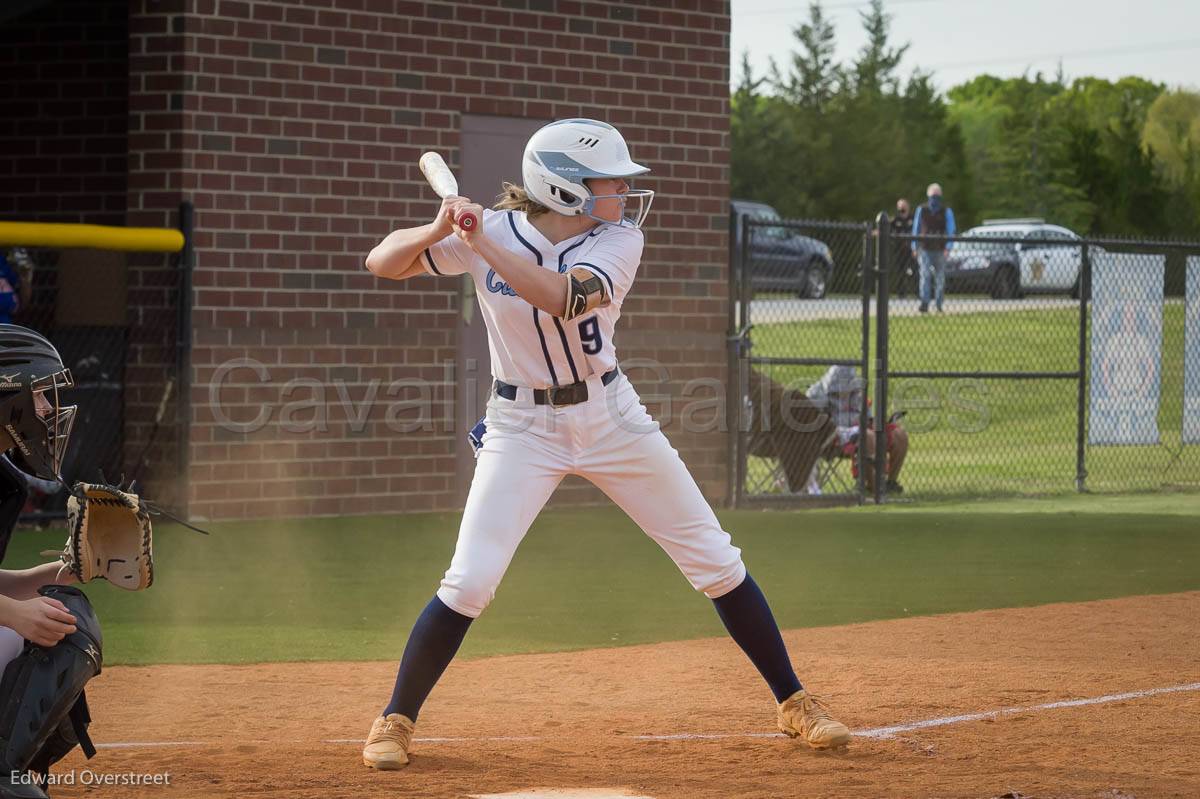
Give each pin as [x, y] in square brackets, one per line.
[29, 365]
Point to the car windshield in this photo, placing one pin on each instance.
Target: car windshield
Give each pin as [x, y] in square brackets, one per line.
[969, 244]
[991, 233]
[770, 214]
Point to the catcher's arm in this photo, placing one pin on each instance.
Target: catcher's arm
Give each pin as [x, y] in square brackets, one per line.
[24, 583]
[43, 620]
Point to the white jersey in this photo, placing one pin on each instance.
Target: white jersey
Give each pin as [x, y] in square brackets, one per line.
[529, 347]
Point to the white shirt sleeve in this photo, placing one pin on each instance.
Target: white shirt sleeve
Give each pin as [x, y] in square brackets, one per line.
[451, 255]
[615, 258]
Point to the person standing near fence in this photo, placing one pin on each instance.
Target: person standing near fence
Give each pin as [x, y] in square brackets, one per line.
[904, 264]
[16, 282]
[936, 219]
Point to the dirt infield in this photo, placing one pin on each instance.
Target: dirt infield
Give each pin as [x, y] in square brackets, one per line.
[574, 720]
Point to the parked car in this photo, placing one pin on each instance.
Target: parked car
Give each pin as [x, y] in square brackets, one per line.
[781, 259]
[1050, 263]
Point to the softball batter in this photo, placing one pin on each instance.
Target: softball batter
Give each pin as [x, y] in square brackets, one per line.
[552, 264]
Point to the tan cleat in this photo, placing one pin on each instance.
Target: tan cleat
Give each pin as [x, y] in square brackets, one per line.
[388, 744]
[804, 715]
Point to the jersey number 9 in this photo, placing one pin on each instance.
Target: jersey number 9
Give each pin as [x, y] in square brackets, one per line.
[589, 336]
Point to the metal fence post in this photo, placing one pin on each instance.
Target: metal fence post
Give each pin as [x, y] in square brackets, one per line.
[183, 353]
[732, 406]
[745, 293]
[868, 292]
[739, 314]
[1085, 293]
[883, 258]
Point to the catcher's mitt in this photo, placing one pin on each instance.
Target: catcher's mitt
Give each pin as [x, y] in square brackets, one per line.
[110, 537]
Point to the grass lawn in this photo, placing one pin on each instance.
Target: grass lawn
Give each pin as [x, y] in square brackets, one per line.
[974, 437]
[349, 588]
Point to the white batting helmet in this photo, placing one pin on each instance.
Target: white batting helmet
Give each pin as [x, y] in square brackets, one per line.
[562, 155]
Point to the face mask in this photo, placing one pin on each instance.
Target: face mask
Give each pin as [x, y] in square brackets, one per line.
[935, 202]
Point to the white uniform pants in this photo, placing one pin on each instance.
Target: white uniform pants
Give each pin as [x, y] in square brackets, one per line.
[11, 644]
[933, 276]
[610, 440]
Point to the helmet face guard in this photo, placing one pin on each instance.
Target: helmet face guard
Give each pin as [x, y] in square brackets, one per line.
[41, 438]
[635, 207]
[59, 419]
[33, 418]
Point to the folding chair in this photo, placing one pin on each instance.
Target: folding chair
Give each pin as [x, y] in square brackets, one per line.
[831, 473]
[794, 441]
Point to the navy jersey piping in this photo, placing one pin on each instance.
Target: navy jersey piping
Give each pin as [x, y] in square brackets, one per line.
[562, 334]
[536, 324]
[536, 252]
[545, 350]
[563, 255]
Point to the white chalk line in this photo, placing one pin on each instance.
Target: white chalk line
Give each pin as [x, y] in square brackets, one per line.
[360, 741]
[874, 732]
[888, 732]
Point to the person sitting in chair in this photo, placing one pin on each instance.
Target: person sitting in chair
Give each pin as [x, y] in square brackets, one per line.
[785, 424]
[840, 393]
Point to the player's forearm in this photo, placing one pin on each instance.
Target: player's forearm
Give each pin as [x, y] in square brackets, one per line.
[542, 288]
[394, 257]
[24, 583]
[8, 611]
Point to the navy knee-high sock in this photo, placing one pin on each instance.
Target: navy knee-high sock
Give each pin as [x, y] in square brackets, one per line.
[748, 618]
[434, 639]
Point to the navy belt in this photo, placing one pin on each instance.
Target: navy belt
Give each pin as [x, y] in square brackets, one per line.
[557, 396]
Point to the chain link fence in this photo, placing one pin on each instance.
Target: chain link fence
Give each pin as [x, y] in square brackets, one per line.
[1015, 359]
[800, 308]
[115, 319]
[1144, 334]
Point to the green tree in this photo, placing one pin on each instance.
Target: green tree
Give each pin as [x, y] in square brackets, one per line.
[835, 141]
[1172, 134]
[813, 77]
[1103, 122]
[753, 136]
[1172, 137]
[875, 70]
[930, 147]
[823, 139]
[769, 150]
[1021, 155]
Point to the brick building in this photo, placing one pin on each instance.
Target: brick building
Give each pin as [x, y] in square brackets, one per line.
[294, 129]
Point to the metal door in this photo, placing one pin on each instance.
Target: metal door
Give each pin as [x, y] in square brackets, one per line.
[784, 446]
[491, 154]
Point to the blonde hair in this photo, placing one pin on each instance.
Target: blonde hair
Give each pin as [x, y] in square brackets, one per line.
[515, 198]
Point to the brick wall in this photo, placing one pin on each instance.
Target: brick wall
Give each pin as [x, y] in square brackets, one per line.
[157, 76]
[65, 140]
[296, 129]
[62, 134]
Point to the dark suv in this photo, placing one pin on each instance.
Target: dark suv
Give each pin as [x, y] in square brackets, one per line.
[781, 259]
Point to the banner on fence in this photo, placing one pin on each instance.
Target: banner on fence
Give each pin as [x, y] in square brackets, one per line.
[1127, 318]
[1191, 354]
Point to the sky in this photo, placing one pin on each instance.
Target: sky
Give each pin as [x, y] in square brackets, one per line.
[959, 39]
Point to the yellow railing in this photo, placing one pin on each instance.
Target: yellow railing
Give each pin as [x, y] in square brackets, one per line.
[97, 237]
